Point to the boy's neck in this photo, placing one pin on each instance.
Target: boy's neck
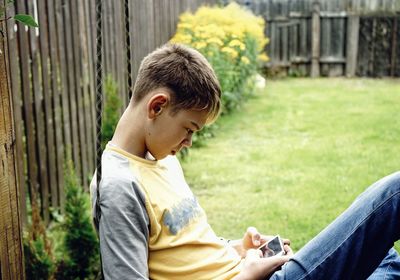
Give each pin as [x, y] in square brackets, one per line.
[128, 135]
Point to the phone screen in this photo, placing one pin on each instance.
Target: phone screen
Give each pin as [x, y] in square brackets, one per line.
[272, 248]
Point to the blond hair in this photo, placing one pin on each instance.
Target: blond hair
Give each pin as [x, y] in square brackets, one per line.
[186, 73]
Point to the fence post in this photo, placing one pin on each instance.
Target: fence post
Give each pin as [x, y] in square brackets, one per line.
[353, 25]
[11, 259]
[394, 45]
[316, 39]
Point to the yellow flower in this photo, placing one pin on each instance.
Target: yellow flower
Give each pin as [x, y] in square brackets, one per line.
[200, 45]
[231, 52]
[245, 60]
[216, 41]
[237, 43]
[263, 57]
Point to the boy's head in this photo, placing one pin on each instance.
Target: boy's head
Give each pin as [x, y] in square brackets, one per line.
[186, 74]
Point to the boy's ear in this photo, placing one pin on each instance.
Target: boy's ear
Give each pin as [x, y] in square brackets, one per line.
[157, 104]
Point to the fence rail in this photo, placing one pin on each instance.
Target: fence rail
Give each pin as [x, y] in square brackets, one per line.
[51, 71]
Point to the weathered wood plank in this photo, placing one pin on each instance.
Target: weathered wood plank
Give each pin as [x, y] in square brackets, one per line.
[27, 100]
[39, 118]
[55, 72]
[157, 22]
[48, 109]
[15, 79]
[353, 25]
[72, 88]
[284, 43]
[90, 9]
[79, 92]
[11, 258]
[316, 31]
[63, 76]
[87, 105]
[394, 47]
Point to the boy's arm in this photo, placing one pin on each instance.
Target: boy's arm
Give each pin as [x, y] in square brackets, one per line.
[124, 230]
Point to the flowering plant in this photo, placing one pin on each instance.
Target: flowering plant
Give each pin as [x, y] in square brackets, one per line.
[232, 39]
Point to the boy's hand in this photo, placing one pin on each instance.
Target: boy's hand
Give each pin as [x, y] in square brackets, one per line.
[252, 239]
[256, 267]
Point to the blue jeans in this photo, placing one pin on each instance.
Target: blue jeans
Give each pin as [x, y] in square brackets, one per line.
[357, 245]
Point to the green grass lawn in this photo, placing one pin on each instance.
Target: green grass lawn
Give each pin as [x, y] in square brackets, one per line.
[296, 155]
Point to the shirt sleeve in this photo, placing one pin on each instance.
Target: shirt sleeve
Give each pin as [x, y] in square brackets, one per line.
[123, 230]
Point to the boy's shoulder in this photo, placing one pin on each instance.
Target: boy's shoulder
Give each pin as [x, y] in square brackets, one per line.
[117, 163]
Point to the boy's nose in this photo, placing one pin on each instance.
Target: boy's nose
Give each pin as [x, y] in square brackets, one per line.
[187, 142]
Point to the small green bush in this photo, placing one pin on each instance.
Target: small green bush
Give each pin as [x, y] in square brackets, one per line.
[38, 257]
[68, 248]
[80, 245]
[38, 263]
[111, 114]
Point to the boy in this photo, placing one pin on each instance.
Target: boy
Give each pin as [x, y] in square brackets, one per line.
[151, 224]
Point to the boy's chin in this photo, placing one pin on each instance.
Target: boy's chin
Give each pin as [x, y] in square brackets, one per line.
[161, 156]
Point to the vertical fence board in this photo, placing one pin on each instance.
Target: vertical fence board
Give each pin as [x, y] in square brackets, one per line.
[394, 45]
[90, 9]
[14, 75]
[62, 86]
[54, 62]
[73, 88]
[11, 258]
[27, 100]
[47, 98]
[10, 234]
[157, 22]
[353, 24]
[40, 141]
[63, 77]
[87, 140]
[80, 110]
[315, 41]
[284, 44]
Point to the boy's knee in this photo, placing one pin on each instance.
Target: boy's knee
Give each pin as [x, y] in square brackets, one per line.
[391, 182]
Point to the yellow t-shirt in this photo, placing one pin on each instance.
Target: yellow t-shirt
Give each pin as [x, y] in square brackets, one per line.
[180, 242]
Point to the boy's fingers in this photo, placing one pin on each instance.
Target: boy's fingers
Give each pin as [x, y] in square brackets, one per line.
[286, 241]
[255, 235]
[275, 262]
[254, 253]
[288, 250]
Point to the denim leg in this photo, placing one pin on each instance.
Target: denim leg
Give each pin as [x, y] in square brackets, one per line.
[389, 269]
[353, 245]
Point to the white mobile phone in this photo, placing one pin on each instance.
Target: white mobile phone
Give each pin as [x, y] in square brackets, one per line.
[273, 247]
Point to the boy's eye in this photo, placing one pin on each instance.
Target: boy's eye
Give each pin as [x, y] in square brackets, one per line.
[189, 131]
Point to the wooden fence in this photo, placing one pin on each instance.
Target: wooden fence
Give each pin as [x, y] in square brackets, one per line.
[52, 79]
[332, 37]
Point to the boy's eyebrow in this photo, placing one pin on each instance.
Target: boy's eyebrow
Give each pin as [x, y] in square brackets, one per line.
[196, 125]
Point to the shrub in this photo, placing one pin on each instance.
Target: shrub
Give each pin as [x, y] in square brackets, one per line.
[232, 39]
[38, 262]
[68, 248]
[80, 245]
[111, 114]
[38, 257]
